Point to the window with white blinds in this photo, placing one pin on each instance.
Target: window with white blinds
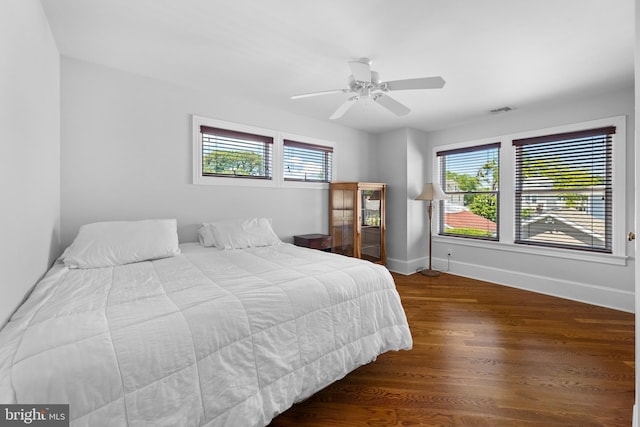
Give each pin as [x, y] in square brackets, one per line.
[233, 154]
[307, 162]
[470, 178]
[564, 191]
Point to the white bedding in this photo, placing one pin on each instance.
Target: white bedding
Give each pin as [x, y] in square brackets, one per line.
[209, 337]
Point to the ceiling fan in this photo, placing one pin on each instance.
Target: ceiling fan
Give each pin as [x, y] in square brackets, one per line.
[366, 83]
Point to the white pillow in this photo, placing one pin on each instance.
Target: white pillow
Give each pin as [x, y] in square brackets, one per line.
[205, 235]
[238, 234]
[107, 244]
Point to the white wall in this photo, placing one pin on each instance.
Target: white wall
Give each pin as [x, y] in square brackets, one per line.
[417, 222]
[392, 160]
[29, 150]
[636, 229]
[401, 165]
[596, 283]
[127, 154]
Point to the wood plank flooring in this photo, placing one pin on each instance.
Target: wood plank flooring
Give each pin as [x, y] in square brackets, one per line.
[487, 355]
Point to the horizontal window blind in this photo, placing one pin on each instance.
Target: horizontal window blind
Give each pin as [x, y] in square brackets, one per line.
[564, 190]
[307, 162]
[229, 153]
[471, 182]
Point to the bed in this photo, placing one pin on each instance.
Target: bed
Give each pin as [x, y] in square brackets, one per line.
[200, 335]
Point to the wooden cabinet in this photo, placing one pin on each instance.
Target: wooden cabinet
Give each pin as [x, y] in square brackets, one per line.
[357, 220]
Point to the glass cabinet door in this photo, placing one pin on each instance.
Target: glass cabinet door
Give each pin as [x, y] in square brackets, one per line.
[343, 220]
[370, 217]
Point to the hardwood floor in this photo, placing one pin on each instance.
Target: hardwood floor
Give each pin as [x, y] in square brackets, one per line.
[488, 355]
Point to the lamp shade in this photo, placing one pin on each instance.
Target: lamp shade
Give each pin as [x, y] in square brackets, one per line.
[431, 191]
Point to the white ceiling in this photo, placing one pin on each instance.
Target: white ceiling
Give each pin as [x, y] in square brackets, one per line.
[492, 53]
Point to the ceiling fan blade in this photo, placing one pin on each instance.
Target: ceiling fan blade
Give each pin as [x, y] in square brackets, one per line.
[361, 70]
[343, 108]
[392, 105]
[324, 92]
[419, 83]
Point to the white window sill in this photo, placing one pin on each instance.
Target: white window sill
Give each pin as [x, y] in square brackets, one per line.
[574, 255]
[249, 182]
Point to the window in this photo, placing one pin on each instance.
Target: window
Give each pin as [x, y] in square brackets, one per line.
[563, 190]
[307, 162]
[229, 153]
[470, 177]
[259, 157]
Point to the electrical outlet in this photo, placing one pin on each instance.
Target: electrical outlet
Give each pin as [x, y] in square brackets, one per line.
[449, 252]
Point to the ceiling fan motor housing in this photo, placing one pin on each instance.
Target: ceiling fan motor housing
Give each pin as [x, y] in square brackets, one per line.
[365, 88]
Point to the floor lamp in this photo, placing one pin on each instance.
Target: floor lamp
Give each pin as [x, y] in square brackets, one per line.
[431, 192]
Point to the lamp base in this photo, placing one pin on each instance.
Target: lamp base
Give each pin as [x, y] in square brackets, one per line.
[430, 273]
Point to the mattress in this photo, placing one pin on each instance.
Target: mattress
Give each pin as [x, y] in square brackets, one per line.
[210, 337]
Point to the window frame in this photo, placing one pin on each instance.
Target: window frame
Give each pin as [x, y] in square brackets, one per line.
[507, 195]
[266, 143]
[277, 156]
[581, 140]
[441, 159]
[327, 154]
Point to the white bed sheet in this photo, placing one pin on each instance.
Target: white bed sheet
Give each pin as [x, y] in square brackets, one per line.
[209, 337]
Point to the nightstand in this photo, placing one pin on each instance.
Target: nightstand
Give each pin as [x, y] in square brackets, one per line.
[322, 242]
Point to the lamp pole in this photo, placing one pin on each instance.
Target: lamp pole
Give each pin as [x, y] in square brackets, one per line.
[430, 271]
[431, 192]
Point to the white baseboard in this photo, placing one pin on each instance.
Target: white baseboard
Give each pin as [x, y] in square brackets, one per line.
[406, 267]
[634, 421]
[587, 293]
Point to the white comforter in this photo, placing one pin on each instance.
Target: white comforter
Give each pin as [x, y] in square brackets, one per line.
[209, 337]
